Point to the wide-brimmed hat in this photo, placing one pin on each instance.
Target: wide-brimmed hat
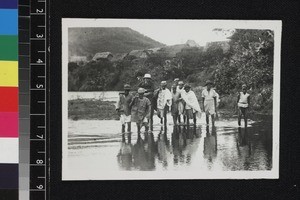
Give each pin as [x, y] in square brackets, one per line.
[180, 83]
[244, 86]
[176, 79]
[147, 76]
[187, 86]
[141, 90]
[163, 83]
[127, 87]
[208, 82]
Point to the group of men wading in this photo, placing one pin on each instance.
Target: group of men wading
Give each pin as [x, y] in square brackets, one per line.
[181, 101]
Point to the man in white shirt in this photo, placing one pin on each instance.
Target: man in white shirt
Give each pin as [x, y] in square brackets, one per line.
[209, 99]
[164, 102]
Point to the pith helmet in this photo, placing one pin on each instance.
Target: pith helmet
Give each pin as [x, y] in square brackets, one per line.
[141, 90]
[147, 76]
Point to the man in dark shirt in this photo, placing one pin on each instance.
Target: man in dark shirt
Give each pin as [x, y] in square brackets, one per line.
[123, 108]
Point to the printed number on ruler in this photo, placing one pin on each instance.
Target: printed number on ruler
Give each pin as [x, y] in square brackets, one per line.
[39, 61]
[39, 35]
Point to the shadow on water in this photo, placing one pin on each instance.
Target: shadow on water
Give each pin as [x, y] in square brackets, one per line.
[199, 147]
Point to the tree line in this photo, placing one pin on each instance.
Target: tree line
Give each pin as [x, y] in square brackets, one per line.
[247, 60]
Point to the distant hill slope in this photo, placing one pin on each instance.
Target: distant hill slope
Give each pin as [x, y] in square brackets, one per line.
[88, 41]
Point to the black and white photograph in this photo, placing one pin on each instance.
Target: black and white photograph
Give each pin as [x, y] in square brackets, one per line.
[170, 99]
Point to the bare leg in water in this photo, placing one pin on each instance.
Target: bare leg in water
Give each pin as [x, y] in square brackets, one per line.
[128, 127]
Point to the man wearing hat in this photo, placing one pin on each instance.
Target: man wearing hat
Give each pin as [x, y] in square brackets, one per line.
[243, 101]
[180, 89]
[175, 102]
[164, 101]
[176, 80]
[140, 110]
[192, 107]
[209, 99]
[123, 108]
[148, 85]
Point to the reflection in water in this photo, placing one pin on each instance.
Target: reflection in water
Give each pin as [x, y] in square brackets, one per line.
[125, 154]
[210, 145]
[143, 159]
[163, 148]
[183, 139]
[198, 148]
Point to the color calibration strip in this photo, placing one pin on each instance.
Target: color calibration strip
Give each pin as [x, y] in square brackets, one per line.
[24, 99]
[9, 108]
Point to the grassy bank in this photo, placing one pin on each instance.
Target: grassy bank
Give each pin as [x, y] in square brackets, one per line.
[92, 109]
[261, 101]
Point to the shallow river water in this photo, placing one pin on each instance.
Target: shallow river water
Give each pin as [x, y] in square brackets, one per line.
[99, 145]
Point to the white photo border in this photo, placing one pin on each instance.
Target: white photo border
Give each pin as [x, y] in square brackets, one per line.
[73, 175]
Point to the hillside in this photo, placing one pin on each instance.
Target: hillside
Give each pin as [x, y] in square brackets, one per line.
[88, 41]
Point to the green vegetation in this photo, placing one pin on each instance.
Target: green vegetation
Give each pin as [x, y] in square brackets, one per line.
[247, 58]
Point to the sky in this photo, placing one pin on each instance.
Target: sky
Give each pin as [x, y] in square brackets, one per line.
[177, 32]
[172, 32]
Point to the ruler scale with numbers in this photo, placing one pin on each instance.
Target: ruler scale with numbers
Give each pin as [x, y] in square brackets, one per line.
[38, 95]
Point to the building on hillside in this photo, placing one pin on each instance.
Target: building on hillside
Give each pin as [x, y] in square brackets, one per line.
[192, 43]
[139, 53]
[153, 50]
[103, 56]
[222, 44]
[171, 51]
[118, 57]
[79, 60]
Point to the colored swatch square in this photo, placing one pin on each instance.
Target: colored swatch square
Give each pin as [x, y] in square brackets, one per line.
[9, 173]
[9, 148]
[8, 73]
[8, 22]
[9, 99]
[8, 47]
[11, 4]
[9, 124]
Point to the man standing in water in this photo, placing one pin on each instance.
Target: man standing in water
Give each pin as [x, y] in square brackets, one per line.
[243, 102]
[209, 99]
[180, 102]
[148, 85]
[192, 107]
[140, 110]
[164, 101]
[123, 108]
[175, 102]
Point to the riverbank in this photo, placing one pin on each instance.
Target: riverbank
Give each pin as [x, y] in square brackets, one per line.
[92, 109]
